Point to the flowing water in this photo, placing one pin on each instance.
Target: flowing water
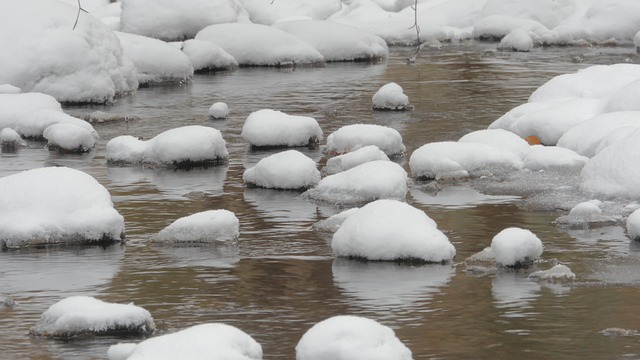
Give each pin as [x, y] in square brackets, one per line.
[281, 277]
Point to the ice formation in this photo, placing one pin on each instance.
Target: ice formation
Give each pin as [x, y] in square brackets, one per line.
[56, 205]
[352, 159]
[516, 247]
[289, 169]
[352, 137]
[557, 273]
[69, 137]
[219, 110]
[633, 225]
[203, 227]
[364, 183]
[207, 56]
[351, 337]
[391, 97]
[267, 127]
[82, 316]
[186, 146]
[392, 230]
[212, 341]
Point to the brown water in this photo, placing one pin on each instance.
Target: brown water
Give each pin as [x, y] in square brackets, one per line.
[281, 278]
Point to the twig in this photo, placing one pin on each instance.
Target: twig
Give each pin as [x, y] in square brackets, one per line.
[412, 59]
[78, 15]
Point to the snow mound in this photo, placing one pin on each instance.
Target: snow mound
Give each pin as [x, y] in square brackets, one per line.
[391, 97]
[337, 42]
[364, 183]
[333, 222]
[514, 247]
[274, 128]
[207, 56]
[155, 60]
[517, 40]
[203, 227]
[352, 159]
[445, 160]
[586, 214]
[10, 140]
[186, 147]
[625, 99]
[603, 21]
[260, 45]
[176, 20]
[392, 230]
[85, 64]
[350, 337]
[557, 273]
[289, 169]
[633, 225]
[268, 13]
[69, 138]
[352, 137]
[219, 110]
[213, 341]
[553, 158]
[82, 316]
[56, 205]
[499, 138]
[9, 89]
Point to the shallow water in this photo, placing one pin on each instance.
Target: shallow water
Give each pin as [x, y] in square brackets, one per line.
[281, 277]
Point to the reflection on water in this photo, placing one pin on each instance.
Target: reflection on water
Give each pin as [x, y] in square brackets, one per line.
[280, 278]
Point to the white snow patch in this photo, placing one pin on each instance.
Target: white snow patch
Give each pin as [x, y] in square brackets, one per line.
[553, 158]
[352, 159]
[219, 110]
[352, 137]
[390, 97]
[289, 169]
[351, 337]
[391, 230]
[69, 137]
[203, 227]
[499, 138]
[274, 128]
[205, 55]
[270, 12]
[516, 246]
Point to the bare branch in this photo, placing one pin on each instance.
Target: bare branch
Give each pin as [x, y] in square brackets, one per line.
[415, 25]
[78, 15]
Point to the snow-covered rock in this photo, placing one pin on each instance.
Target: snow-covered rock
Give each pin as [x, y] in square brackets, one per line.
[517, 40]
[633, 225]
[219, 110]
[445, 160]
[516, 247]
[394, 231]
[69, 138]
[553, 158]
[176, 20]
[352, 137]
[351, 337]
[10, 140]
[337, 42]
[556, 273]
[155, 60]
[391, 97]
[203, 227]
[499, 138]
[289, 169]
[56, 205]
[268, 13]
[207, 56]
[586, 215]
[186, 146]
[333, 222]
[48, 55]
[213, 341]
[260, 45]
[267, 127]
[82, 316]
[9, 89]
[352, 159]
[364, 183]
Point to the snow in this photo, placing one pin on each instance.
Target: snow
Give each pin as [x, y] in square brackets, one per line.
[392, 230]
[9, 89]
[351, 337]
[364, 183]
[270, 12]
[586, 209]
[155, 60]
[177, 20]
[624, 99]
[517, 40]
[289, 169]
[499, 138]
[442, 160]
[515, 247]
[390, 97]
[588, 214]
[185, 146]
[85, 64]
[10, 138]
[219, 110]
[352, 159]
[557, 272]
[212, 341]
[207, 56]
[56, 205]
[260, 45]
[636, 40]
[333, 222]
[69, 137]
[633, 225]
[553, 158]
[203, 227]
[352, 137]
[337, 42]
[274, 128]
[78, 316]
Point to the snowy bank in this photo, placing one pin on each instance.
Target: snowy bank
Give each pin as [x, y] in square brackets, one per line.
[266, 128]
[352, 137]
[393, 231]
[85, 316]
[56, 205]
[203, 227]
[184, 147]
[213, 341]
[353, 338]
[48, 55]
[289, 169]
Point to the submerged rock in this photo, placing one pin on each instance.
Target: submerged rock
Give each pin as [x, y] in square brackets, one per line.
[557, 273]
[6, 301]
[101, 117]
